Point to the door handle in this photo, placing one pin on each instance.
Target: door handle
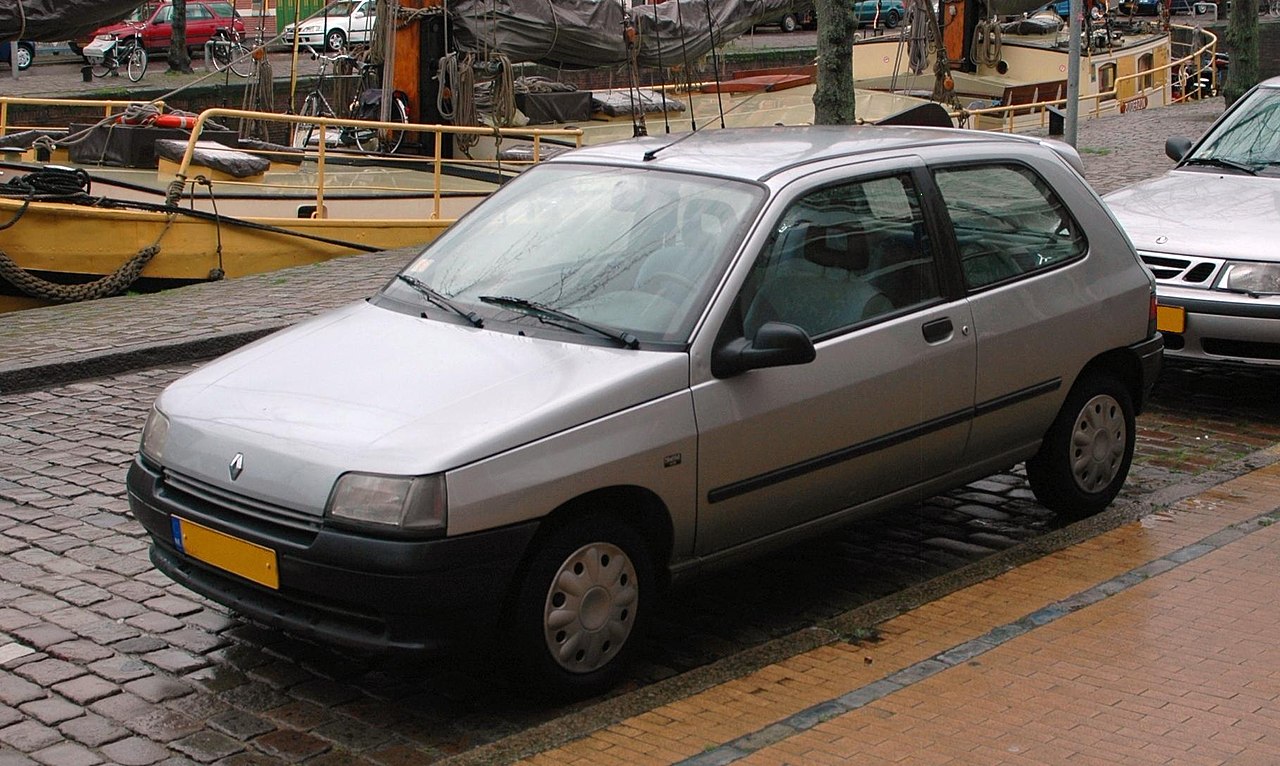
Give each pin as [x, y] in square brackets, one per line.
[937, 331]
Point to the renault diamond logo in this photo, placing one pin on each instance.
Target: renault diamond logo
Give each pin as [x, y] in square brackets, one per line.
[237, 465]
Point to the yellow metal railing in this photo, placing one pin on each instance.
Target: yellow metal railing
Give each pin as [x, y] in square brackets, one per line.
[1008, 112]
[106, 107]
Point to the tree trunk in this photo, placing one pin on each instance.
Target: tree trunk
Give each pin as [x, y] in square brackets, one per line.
[833, 102]
[179, 61]
[1242, 41]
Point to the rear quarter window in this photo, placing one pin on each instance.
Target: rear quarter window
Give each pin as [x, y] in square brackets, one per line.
[1008, 222]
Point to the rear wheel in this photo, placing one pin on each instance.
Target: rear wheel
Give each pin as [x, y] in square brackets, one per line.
[241, 60]
[105, 65]
[789, 23]
[336, 39]
[137, 64]
[385, 141]
[24, 55]
[304, 132]
[1085, 457]
[891, 21]
[577, 611]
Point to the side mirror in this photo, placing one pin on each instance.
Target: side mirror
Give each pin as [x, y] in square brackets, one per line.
[1176, 147]
[776, 344]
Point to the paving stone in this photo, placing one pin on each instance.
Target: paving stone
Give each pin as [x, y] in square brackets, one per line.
[208, 746]
[300, 715]
[79, 651]
[122, 707]
[158, 688]
[211, 621]
[29, 735]
[49, 672]
[239, 724]
[175, 661]
[42, 635]
[66, 754]
[51, 710]
[14, 653]
[121, 668]
[195, 640]
[9, 716]
[93, 730]
[10, 758]
[135, 751]
[86, 689]
[107, 632]
[140, 645]
[155, 622]
[84, 595]
[291, 746]
[164, 725]
[173, 606]
[253, 759]
[353, 735]
[216, 678]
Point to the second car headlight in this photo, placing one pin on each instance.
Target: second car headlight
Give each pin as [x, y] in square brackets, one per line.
[390, 504]
[1262, 278]
[154, 436]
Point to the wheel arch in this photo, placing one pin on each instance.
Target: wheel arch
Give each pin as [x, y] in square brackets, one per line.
[1123, 365]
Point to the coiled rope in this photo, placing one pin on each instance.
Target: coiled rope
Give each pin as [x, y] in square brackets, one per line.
[988, 43]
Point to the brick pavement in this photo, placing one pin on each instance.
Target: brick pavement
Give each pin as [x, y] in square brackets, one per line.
[1150, 643]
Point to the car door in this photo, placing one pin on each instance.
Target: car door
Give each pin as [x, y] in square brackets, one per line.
[1021, 255]
[885, 404]
[362, 21]
[200, 24]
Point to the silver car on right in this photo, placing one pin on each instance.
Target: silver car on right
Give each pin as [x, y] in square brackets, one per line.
[1209, 231]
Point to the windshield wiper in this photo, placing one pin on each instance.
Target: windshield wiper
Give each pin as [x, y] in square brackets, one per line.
[1218, 162]
[439, 300]
[549, 315]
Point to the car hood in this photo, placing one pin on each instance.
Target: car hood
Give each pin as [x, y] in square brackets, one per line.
[1192, 212]
[368, 389]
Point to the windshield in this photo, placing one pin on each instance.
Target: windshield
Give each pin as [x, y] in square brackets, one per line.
[1250, 135]
[632, 250]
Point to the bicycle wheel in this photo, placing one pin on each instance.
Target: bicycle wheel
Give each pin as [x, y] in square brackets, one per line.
[304, 132]
[137, 65]
[385, 140]
[221, 52]
[103, 66]
[241, 60]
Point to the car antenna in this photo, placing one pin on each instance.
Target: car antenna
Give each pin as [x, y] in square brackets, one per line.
[654, 151]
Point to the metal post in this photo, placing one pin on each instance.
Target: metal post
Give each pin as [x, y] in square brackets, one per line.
[13, 58]
[1073, 73]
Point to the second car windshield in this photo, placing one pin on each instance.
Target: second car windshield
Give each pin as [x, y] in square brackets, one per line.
[1249, 137]
[629, 249]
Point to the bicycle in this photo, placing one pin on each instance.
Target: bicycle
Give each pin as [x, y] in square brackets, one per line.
[228, 51]
[366, 105]
[107, 52]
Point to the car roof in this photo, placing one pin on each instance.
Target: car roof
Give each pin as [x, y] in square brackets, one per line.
[757, 154]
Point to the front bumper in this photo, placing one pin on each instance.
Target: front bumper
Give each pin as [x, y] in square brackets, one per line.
[1223, 327]
[338, 586]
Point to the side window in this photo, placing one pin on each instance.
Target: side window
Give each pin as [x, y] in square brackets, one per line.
[221, 10]
[841, 256]
[197, 12]
[1007, 222]
[164, 15]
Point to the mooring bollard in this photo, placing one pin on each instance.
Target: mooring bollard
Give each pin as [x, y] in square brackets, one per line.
[86, 73]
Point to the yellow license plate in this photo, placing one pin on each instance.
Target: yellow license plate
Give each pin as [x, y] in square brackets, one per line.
[1171, 319]
[241, 557]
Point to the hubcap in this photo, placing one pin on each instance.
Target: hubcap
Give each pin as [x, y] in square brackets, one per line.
[1098, 443]
[591, 607]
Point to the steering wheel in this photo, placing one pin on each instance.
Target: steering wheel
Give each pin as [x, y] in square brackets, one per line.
[685, 284]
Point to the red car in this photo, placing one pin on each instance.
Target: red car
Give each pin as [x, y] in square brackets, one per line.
[154, 21]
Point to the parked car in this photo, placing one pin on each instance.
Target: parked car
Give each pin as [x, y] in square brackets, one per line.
[1208, 230]
[645, 359]
[26, 53]
[792, 18]
[1140, 7]
[341, 24]
[883, 13]
[154, 24]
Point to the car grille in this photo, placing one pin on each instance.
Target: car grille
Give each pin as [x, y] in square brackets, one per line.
[200, 495]
[1181, 269]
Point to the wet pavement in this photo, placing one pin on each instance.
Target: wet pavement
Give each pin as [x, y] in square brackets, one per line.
[104, 660]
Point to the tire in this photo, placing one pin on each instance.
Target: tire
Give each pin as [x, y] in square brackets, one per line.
[137, 63]
[891, 21]
[105, 65]
[385, 141]
[579, 607]
[303, 131]
[241, 60]
[222, 52]
[789, 23]
[335, 40]
[1085, 456]
[25, 55]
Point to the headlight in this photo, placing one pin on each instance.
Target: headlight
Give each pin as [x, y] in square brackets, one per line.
[154, 435]
[309, 29]
[394, 504]
[1263, 278]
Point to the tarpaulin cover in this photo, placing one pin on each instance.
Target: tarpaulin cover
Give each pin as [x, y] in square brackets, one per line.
[588, 33]
[56, 20]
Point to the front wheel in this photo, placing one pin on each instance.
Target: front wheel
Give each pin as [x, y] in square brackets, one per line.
[385, 141]
[336, 40]
[1085, 456]
[789, 23]
[304, 131]
[241, 60]
[579, 606]
[137, 65]
[891, 21]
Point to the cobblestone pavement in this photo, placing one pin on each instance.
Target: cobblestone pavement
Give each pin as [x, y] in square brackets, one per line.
[104, 660]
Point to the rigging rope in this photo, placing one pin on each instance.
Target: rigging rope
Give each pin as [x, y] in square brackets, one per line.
[987, 44]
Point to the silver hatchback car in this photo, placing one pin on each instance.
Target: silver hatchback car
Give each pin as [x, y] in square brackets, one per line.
[645, 359]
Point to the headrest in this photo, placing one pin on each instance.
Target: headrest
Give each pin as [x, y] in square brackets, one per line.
[839, 247]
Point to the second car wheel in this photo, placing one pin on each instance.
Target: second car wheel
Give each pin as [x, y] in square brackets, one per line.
[789, 23]
[336, 39]
[891, 21]
[1085, 456]
[578, 608]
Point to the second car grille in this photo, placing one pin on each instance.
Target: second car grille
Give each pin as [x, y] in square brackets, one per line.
[1181, 269]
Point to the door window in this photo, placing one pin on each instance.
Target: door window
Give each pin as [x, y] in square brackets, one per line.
[842, 256]
[1008, 223]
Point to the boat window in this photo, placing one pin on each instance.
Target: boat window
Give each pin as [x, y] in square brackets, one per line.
[1107, 81]
[1146, 63]
[632, 249]
[1007, 222]
[840, 257]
